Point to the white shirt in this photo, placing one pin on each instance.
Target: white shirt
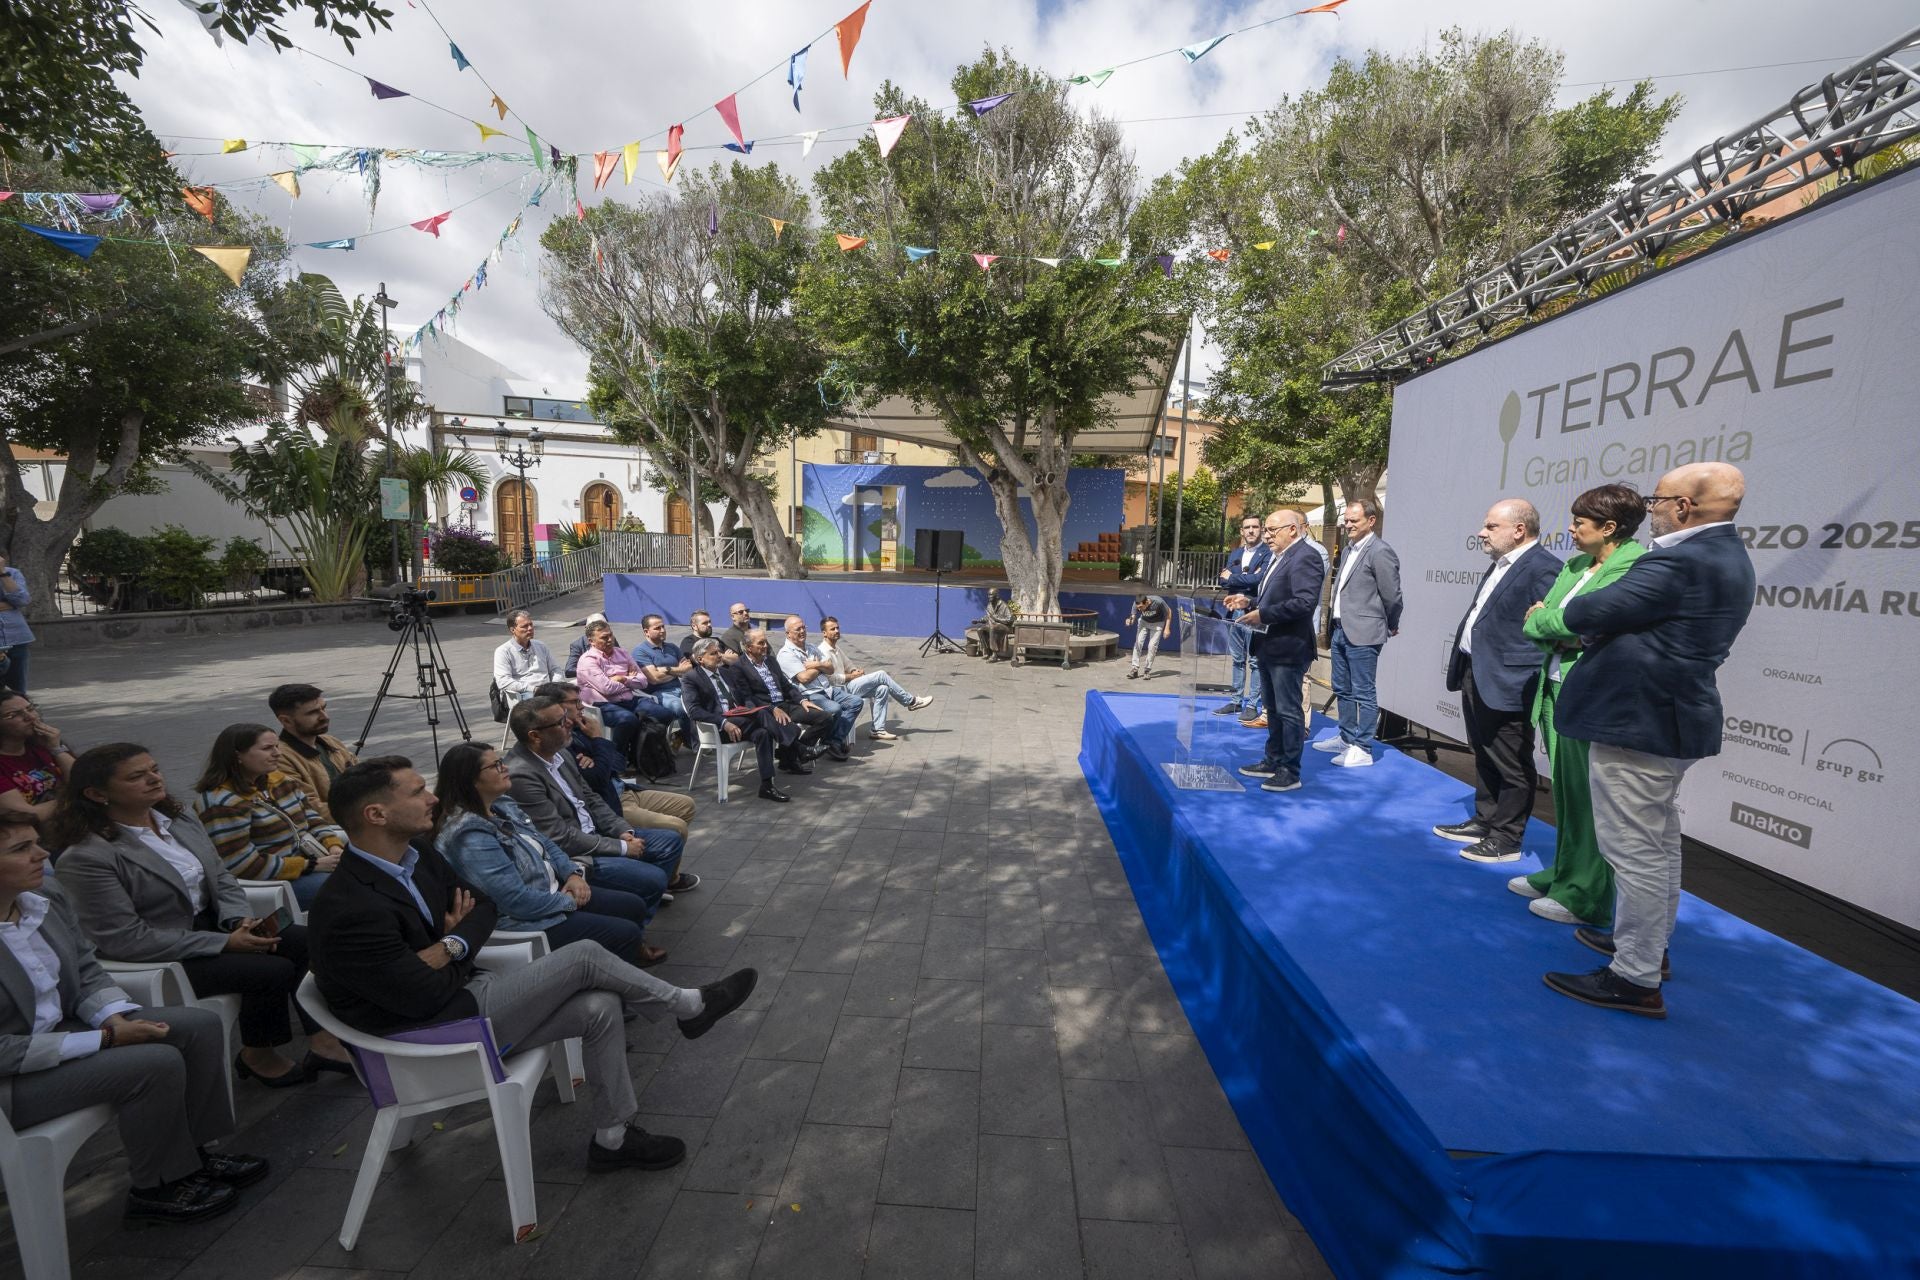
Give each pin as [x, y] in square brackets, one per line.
[182, 859]
[1679, 536]
[1553, 664]
[520, 669]
[580, 810]
[1346, 569]
[831, 652]
[42, 966]
[1491, 581]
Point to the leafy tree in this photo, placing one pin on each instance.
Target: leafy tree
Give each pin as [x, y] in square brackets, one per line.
[694, 350]
[1018, 359]
[59, 98]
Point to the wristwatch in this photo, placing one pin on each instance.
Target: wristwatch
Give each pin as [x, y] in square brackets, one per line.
[456, 949]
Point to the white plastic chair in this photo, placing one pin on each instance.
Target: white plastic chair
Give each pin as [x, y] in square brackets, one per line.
[264, 897]
[507, 949]
[724, 755]
[34, 1162]
[421, 1079]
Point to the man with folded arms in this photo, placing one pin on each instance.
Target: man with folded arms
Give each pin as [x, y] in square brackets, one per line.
[812, 673]
[394, 934]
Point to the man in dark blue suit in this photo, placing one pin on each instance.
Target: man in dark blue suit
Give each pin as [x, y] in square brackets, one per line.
[1283, 647]
[1644, 695]
[1241, 577]
[1494, 667]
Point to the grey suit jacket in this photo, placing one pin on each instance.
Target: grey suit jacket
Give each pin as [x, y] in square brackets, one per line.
[535, 791]
[1370, 598]
[85, 989]
[134, 905]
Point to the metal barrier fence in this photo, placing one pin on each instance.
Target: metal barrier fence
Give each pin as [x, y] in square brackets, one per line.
[522, 586]
[74, 596]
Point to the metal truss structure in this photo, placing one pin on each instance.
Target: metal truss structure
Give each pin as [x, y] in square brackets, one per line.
[1825, 131]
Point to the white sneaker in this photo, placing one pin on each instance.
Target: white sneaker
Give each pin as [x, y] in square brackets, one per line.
[1354, 758]
[919, 704]
[1548, 909]
[1520, 886]
[1329, 745]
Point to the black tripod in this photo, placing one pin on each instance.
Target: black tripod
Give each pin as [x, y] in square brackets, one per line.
[432, 678]
[939, 641]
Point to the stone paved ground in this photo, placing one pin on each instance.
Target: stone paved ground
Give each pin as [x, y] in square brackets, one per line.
[963, 1058]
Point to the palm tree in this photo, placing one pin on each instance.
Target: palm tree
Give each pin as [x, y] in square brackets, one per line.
[429, 472]
[346, 363]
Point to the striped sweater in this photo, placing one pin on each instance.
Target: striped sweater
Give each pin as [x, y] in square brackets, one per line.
[258, 831]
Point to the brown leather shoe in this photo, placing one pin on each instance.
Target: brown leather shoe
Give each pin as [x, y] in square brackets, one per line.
[1259, 722]
[651, 955]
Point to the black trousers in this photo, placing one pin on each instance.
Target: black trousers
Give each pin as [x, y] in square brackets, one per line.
[769, 737]
[814, 721]
[265, 983]
[1502, 743]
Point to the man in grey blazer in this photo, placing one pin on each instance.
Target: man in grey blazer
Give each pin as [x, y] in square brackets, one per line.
[70, 1038]
[1366, 612]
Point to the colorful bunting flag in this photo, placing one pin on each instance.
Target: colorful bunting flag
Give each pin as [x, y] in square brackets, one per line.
[1166, 265]
[915, 254]
[667, 164]
[986, 260]
[729, 111]
[797, 74]
[1109, 262]
[288, 181]
[849, 243]
[1051, 262]
[674, 134]
[630, 160]
[888, 131]
[1219, 255]
[480, 276]
[848, 31]
[460, 62]
[744, 148]
[980, 106]
[72, 241]
[1097, 79]
[603, 163]
[807, 140]
[553, 154]
[98, 203]
[1264, 245]
[232, 145]
[432, 225]
[779, 225]
[232, 260]
[487, 131]
[199, 199]
[533, 145]
[1340, 236]
[1195, 52]
[346, 244]
[308, 154]
[1328, 7]
[5, 196]
[500, 106]
[579, 209]
[384, 91]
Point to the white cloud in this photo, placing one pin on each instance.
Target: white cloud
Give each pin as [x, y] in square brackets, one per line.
[955, 479]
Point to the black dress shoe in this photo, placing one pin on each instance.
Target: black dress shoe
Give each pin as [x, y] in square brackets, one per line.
[1602, 941]
[313, 1064]
[1463, 832]
[638, 1150]
[290, 1079]
[720, 999]
[1605, 989]
[794, 766]
[839, 751]
[685, 882]
[811, 751]
[1492, 849]
[232, 1169]
[1259, 769]
[770, 792]
[1227, 709]
[191, 1199]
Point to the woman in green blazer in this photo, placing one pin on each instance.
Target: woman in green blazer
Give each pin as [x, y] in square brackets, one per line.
[1578, 887]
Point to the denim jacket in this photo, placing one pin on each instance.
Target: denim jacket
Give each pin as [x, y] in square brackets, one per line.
[505, 858]
[13, 622]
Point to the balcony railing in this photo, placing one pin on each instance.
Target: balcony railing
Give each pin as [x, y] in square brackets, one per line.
[864, 457]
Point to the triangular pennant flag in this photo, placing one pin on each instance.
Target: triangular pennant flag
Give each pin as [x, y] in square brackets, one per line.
[1340, 236]
[1219, 255]
[480, 276]
[980, 106]
[500, 105]
[807, 140]
[848, 30]
[667, 165]
[232, 145]
[200, 200]
[307, 153]
[914, 254]
[797, 74]
[553, 154]
[1166, 264]
[346, 244]
[488, 131]
[713, 221]
[1328, 7]
[384, 91]
[744, 148]
[432, 225]
[603, 163]
[630, 160]
[1109, 262]
[986, 259]
[729, 111]
[5, 196]
[674, 134]
[779, 225]
[849, 243]
[888, 132]
[233, 261]
[533, 145]
[288, 182]
[1097, 79]
[71, 241]
[1051, 262]
[95, 203]
[1264, 245]
[579, 209]
[460, 62]
[1195, 52]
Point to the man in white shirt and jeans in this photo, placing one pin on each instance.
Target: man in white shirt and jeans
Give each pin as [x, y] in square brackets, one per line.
[877, 686]
[1366, 612]
[812, 673]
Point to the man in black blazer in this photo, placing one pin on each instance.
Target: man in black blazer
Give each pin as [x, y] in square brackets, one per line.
[1645, 696]
[761, 679]
[713, 695]
[1283, 645]
[394, 933]
[1494, 668]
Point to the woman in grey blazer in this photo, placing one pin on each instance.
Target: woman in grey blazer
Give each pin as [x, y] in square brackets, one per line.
[148, 885]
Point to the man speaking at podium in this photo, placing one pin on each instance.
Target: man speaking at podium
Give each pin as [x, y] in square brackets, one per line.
[1283, 645]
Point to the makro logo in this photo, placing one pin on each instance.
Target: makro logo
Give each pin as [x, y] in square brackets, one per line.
[1767, 824]
[1759, 735]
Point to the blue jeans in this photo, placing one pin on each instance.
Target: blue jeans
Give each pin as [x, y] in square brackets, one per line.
[670, 699]
[882, 689]
[1354, 669]
[645, 877]
[307, 887]
[845, 709]
[1286, 732]
[1249, 699]
[615, 920]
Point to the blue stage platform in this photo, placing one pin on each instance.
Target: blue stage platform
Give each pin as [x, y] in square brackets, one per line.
[1372, 1005]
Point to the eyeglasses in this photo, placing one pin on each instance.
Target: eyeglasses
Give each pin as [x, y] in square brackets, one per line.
[561, 723]
[499, 766]
[1655, 499]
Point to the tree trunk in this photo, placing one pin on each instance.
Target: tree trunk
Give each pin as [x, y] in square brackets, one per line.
[38, 547]
[751, 497]
[1361, 480]
[1031, 561]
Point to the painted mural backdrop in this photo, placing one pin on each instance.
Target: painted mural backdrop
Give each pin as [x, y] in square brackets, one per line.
[869, 514]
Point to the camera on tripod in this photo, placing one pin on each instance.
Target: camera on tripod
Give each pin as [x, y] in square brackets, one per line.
[406, 604]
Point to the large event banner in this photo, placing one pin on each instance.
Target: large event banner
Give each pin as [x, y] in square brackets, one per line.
[1796, 356]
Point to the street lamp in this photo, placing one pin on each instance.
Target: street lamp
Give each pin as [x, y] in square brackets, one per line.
[522, 459]
[386, 304]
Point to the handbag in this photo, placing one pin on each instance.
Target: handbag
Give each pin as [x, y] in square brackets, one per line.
[498, 701]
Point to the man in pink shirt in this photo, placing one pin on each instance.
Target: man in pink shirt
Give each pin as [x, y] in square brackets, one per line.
[612, 681]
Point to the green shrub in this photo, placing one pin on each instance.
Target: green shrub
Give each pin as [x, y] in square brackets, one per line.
[112, 554]
[459, 550]
[182, 569]
[1128, 566]
[242, 561]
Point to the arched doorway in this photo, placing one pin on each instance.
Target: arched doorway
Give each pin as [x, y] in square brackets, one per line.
[679, 519]
[516, 509]
[600, 505]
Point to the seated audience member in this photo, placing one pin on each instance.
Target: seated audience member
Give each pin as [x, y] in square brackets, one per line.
[33, 760]
[548, 786]
[739, 622]
[70, 1039]
[663, 665]
[702, 623]
[396, 932]
[762, 680]
[308, 754]
[811, 673]
[601, 764]
[259, 818]
[147, 884]
[579, 645]
[875, 686]
[716, 696]
[611, 680]
[536, 888]
[521, 663]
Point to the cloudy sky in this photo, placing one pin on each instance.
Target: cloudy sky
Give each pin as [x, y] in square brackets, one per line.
[593, 74]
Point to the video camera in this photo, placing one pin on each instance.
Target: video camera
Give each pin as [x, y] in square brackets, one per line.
[408, 604]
